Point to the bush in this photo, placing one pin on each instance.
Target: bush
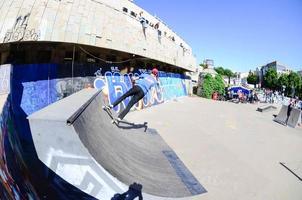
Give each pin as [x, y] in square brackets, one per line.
[211, 85]
[219, 85]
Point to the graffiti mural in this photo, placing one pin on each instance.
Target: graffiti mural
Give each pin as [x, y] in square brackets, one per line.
[4, 78]
[20, 31]
[115, 84]
[10, 165]
[33, 87]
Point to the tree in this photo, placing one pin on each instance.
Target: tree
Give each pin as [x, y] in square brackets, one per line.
[207, 86]
[219, 70]
[294, 82]
[229, 74]
[282, 82]
[252, 79]
[204, 66]
[271, 79]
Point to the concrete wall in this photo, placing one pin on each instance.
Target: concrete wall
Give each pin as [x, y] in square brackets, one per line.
[101, 23]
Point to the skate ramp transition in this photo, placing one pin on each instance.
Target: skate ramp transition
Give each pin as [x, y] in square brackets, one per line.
[74, 137]
[294, 118]
[282, 115]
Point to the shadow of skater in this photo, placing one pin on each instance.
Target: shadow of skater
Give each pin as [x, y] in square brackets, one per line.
[135, 190]
[129, 125]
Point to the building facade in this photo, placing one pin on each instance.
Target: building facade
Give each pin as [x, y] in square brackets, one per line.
[280, 68]
[119, 25]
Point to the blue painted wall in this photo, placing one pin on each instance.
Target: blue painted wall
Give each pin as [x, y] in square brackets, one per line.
[34, 86]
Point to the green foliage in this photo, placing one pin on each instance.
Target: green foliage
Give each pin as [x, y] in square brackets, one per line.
[229, 73]
[219, 84]
[271, 79]
[211, 85]
[219, 70]
[294, 80]
[225, 72]
[290, 81]
[282, 81]
[252, 78]
[207, 86]
[204, 66]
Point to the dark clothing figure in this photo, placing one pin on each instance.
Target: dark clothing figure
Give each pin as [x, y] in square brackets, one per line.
[137, 94]
[142, 85]
[135, 190]
[289, 110]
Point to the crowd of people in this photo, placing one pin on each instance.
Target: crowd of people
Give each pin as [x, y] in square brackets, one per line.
[255, 96]
[242, 97]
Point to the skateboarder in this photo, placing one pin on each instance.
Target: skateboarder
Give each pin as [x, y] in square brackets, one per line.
[142, 85]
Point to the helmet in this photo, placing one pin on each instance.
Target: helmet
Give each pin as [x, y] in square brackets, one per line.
[155, 72]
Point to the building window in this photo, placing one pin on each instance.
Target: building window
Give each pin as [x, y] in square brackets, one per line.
[125, 10]
[133, 14]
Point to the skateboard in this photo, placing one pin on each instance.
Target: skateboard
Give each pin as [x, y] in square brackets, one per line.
[113, 119]
[122, 123]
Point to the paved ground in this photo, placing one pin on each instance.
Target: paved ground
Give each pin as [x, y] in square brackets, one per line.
[233, 150]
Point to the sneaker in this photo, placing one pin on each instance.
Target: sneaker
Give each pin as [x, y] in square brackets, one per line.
[116, 121]
[108, 107]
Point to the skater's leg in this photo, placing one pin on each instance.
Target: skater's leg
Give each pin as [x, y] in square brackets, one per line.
[130, 92]
[138, 96]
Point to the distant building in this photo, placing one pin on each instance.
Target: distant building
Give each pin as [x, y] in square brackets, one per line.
[280, 68]
[209, 69]
[243, 77]
[209, 63]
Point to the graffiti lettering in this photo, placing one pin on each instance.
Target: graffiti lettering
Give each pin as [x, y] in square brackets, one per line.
[171, 86]
[19, 32]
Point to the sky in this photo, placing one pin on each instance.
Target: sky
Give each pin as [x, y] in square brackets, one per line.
[237, 34]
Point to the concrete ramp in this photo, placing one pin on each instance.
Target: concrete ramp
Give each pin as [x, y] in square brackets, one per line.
[282, 115]
[294, 118]
[101, 159]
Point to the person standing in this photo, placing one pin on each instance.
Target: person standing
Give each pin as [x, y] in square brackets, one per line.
[289, 110]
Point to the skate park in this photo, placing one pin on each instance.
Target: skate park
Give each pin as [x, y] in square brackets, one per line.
[61, 61]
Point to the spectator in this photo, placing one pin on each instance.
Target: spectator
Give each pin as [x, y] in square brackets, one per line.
[289, 109]
[143, 21]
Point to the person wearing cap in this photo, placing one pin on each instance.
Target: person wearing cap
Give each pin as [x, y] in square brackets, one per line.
[143, 84]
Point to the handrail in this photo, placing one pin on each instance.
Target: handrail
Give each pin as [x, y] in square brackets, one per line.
[75, 115]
